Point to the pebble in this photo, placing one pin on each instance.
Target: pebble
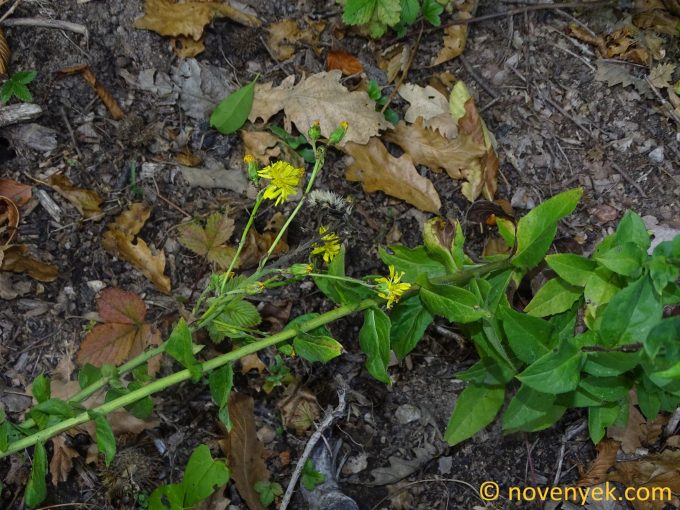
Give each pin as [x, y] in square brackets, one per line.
[656, 156]
[406, 413]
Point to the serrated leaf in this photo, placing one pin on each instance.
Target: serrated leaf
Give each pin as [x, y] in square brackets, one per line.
[573, 269]
[24, 77]
[432, 9]
[556, 296]
[236, 316]
[475, 408]
[374, 340]
[409, 11]
[210, 241]
[409, 320]
[233, 111]
[358, 12]
[22, 93]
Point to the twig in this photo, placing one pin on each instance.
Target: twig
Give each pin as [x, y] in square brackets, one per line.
[325, 424]
[568, 436]
[404, 72]
[552, 103]
[70, 131]
[171, 204]
[663, 100]
[10, 11]
[629, 179]
[47, 23]
[479, 79]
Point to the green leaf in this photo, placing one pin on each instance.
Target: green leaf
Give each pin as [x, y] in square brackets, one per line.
[180, 347]
[625, 259]
[599, 287]
[374, 91]
[608, 364]
[409, 320]
[55, 407]
[22, 93]
[36, 488]
[453, 303]
[310, 476]
[662, 272]
[316, 344]
[143, 408]
[631, 228]
[475, 408]
[530, 411]
[488, 371]
[529, 337]
[233, 110]
[106, 442]
[556, 296]
[556, 372]
[631, 314]
[24, 77]
[202, 476]
[341, 292]
[236, 316]
[221, 382]
[89, 374]
[536, 230]
[391, 116]
[663, 339]
[413, 262]
[374, 340]
[573, 269]
[409, 11]
[358, 12]
[267, 491]
[564, 324]
[601, 417]
[432, 9]
[606, 388]
[173, 494]
[41, 388]
[648, 398]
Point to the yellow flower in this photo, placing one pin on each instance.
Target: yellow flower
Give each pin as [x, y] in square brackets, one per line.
[330, 247]
[248, 159]
[390, 288]
[284, 179]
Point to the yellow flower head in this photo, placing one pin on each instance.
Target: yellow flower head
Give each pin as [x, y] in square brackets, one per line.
[330, 247]
[344, 125]
[248, 159]
[283, 178]
[390, 288]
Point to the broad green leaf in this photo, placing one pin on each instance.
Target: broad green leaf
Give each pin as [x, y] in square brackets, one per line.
[374, 340]
[432, 10]
[106, 442]
[530, 411]
[141, 409]
[536, 230]
[221, 382]
[180, 347]
[507, 230]
[662, 272]
[56, 407]
[556, 296]
[202, 476]
[173, 494]
[232, 112]
[600, 287]
[499, 285]
[36, 488]
[663, 339]
[89, 374]
[488, 371]
[414, 262]
[601, 417]
[314, 345]
[341, 292]
[358, 12]
[529, 337]
[409, 11]
[648, 398]
[409, 320]
[578, 398]
[475, 408]
[669, 249]
[41, 388]
[564, 324]
[237, 316]
[606, 388]
[631, 314]
[625, 259]
[609, 364]
[573, 269]
[631, 228]
[453, 303]
[558, 371]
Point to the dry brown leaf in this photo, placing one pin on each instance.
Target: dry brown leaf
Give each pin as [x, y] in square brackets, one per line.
[16, 259]
[606, 458]
[5, 53]
[9, 213]
[378, 170]
[276, 313]
[662, 16]
[257, 245]
[299, 408]
[18, 193]
[263, 145]
[661, 76]
[285, 35]
[120, 240]
[430, 105]
[495, 246]
[210, 241]
[320, 97]
[429, 148]
[252, 362]
[187, 158]
[244, 450]
[85, 200]
[61, 462]
[170, 18]
[394, 60]
[123, 335]
[632, 435]
[455, 36]
[345, 62]
[186, 47]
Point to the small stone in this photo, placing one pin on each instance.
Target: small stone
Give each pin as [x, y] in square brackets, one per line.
[266, 434]
[96, 285]
[445, 465]
[656, 156]
[406, 413]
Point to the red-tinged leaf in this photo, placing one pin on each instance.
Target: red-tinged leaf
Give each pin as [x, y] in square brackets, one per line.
[18, 193]
[118, 305]
[344, 61]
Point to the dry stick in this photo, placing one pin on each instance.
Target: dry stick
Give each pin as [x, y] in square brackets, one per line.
[47, 23]
[325, 424]
[10, 11]
[663, 100]
[568, 436]
[629, 179]
[70, 131]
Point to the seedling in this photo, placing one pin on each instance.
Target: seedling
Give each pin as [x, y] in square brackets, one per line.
[16, 86]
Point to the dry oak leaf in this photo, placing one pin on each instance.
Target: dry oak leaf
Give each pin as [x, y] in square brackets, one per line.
[209, 241]
[16, 259]
[378, 170]
[394, 60]
[320, 97]
[299, 408]
[455, 36]
[170, 18]
[123, 334]
[285, 35]
[61, 462]
[120, 240]
[244, 451]
[429, 148]
[430, 105]
[85, 200]
[347, 63]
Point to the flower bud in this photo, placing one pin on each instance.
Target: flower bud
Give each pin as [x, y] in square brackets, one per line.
[314, 132]
[339, 133]
[301, 269]
[253, 168]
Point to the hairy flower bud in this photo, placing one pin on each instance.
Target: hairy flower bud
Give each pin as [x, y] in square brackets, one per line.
[314, 132]
[339, 133]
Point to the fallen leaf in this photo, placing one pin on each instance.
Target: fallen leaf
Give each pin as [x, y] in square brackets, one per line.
[209, 241]
[257, 244]
[632, 435]
[9, 213]
[430, 105]
[61, 462]
[85, 200]
[285, 36]
[170, 18]
[121, 240]
[661, 76]
[320, 97]
[604, 213]
[123, 334]
[244, 451]
[252, 362]
[455, 36]
[18, 193]
[299, 408]
[663, 17]
[16, 259]
[276, 313]
[106, 97]
[263, 145]
[394, 60]
[345, 62]
[378, 170]
[606, 458]
[187, 158]
[186, 47]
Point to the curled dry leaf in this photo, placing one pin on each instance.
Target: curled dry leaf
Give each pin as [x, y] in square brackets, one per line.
[16, 259]
[244, 450]
[606, 458]
[252, 362]
[187, 158]
[121, 240]
[105, 96]
[287, 34]
[394, 60]
[5, 53]
[61, 462]
[9, 214]
[320, 97]
[345, 62]
[209, 241]
[455, 36]
[430, 105]
[123, 334]
[378, 170]
[660, 15]
[85, 200]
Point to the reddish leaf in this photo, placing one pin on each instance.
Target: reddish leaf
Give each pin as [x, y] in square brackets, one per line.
[15, 191]
[344, 61]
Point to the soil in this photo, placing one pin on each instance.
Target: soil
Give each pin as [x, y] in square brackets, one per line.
[555, 125]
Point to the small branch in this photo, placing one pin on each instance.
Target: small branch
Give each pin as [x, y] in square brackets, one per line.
[476, 76]
[15, 113]
[47, 23]
[323, 426]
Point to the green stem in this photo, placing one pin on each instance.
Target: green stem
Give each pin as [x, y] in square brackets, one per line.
[244, 236]
[342, 278]
[184, 375]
